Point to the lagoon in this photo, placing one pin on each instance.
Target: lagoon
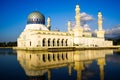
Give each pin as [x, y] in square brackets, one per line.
[63, 65]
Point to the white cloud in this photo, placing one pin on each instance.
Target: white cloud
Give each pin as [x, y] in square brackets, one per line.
[72, 24]
[86, 17]
[86, 27]
[114, 32]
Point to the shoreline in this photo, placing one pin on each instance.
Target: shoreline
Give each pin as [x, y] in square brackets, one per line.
[63, 48]
[6, 47]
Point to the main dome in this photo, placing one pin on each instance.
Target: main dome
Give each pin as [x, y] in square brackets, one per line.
[36, 18]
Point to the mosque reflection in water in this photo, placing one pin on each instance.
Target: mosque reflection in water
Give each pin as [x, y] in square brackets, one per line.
[37, 64]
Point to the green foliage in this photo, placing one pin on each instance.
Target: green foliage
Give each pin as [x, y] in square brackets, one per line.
[115, 41]
[2, 44]
[8, 44]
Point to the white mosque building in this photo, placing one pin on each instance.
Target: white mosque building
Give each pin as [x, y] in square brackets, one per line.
[37, 34]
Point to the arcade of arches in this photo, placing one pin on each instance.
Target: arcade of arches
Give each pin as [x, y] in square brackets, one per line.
[50, 42]
[54, 42]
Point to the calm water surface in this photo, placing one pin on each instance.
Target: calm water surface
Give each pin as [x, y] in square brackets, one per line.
[72, 65]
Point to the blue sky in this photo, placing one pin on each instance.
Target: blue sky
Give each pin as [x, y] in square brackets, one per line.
[14, 13]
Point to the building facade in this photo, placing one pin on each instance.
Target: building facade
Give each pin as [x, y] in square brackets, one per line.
[37, 34]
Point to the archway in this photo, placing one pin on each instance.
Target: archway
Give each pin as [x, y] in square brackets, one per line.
[54, 42]
[44, 42]
[62, 42]
[43, 57]
[49, 42]
[49, 57]
[58, 42]
[66, 42]
[30, 43]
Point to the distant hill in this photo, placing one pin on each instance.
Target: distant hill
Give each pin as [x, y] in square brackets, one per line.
[115, 39]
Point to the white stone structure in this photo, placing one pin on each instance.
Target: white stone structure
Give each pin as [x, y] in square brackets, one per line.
[37, 34]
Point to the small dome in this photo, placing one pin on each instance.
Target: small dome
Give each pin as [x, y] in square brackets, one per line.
[36, 18]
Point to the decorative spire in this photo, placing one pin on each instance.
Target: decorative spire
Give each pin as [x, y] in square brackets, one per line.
[77, 17]
[100, 21]
[49, 23]
[69, 25]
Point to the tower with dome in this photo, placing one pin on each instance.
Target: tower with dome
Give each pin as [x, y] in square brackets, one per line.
[37, 34]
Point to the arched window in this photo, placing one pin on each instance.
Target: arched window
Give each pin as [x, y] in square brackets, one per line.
[43, 57]
[62, 56]
[62, 42]
[49, 57]
[54, 57]
[30, 56]
[58, 42]
[44, 42]
[58, 56]
[54, 42]
[48, 42]
[66, 56]
[30, 43]
[66, 42]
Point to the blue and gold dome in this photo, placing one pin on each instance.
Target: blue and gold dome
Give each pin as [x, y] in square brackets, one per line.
[36, 18]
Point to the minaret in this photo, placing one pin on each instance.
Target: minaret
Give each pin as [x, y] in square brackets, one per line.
[78, 30]
[99, 21]
[48, 23]
[69, 26]
[49, 74]
[79, 67]
[100, 31]
[101, 62]
[69, 69]
[77, 17]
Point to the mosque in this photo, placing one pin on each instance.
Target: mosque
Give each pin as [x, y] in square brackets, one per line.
[37, 34]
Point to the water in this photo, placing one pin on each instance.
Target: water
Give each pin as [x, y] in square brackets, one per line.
[69, 65]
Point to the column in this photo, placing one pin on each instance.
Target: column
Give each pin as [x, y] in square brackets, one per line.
[51, 43]
[55, 42]
[60, 56]
[46, 57]
[51, 57]
[46, 43]
[41, 57]
[60, 43]
[64, 43]
[56, 59]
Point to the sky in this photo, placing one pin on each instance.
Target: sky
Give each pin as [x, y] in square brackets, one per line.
[14, 13]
